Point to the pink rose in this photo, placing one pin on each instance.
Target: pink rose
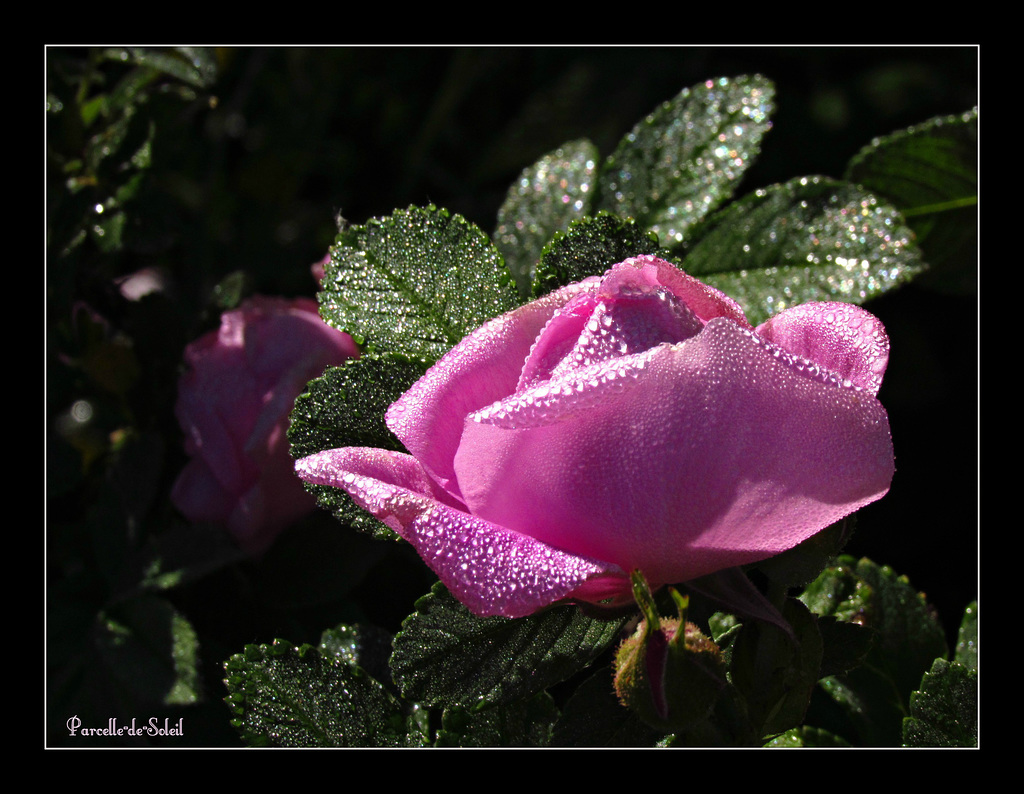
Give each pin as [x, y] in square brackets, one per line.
[634, 420]
[233, 404]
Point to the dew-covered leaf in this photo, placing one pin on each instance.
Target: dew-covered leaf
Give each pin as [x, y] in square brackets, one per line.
[522, 724]
[838, 592]
[285, 696]
[808, 736]
[366, 646]
[345, 408]
[415, 282]
[809, 239]
[446, 656]
[909, 634]
[114, 151]
[930, 174]
[841, 600]
[545, 199]
[687, 156]
[128, 89]
[861, 706]
[846, 645]
[589, 247]
[967, 639]
[944, 711]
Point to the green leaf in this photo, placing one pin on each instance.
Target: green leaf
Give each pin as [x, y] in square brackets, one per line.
[110, 152]
[345, 408]
[860, 706]
[446, 656]
[725, 627]
[92, 109]
[810, 239]
[872, 700]
[846, 645]
[944, 712]
[203, 63]
[589, 247]
[545, 199]
[967, 639]
[128, 191]
[295, 697]
[416, 282]
[594, 717]
[909, 634]
[229, 292]
[774, 673]
[838, 592]
[523, 724]
[368, 647]
[685, 158]
[128, 89]
[151, 650]
[108, 231]
[196, 66]
[807, 736]
[930, 173]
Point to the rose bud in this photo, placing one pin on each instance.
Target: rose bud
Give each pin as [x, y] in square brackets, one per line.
[668, 671]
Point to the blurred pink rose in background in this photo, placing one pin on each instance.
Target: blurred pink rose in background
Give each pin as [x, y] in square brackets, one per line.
[233, 405]
[634, 420]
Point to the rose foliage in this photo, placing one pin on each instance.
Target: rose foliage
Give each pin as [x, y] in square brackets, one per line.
[233, 405]
[634, 420]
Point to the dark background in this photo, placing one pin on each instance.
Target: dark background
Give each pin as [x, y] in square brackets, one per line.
[248, 180]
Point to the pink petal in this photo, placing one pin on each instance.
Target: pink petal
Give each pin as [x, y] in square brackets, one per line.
[491, 569]
[704, 301]
[282, 335]
[843, 338]
[557, 340]
[357, 469]
[201, 491]
[631, 312]
[218, 404]
[486, 365]
[273, 502]
[693, 457]
[637, 319]
[482, 368]
[577, 391]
